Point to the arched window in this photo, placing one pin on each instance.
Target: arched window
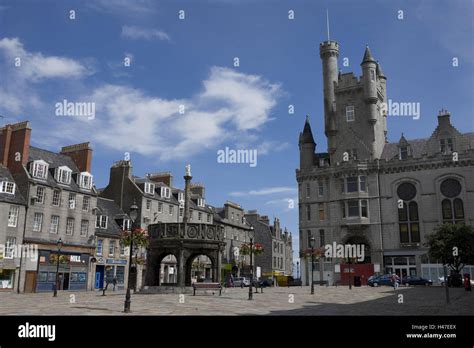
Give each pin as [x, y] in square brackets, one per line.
[452, 208]
[408, 219]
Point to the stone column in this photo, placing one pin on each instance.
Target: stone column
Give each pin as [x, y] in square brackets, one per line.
[218, 265]
[187, 193]
[181, 275]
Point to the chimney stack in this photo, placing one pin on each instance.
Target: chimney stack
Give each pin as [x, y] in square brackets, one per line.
[81, 154]
[164, 177]
[15, 145]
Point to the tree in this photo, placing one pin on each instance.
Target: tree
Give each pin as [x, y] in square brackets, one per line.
[140, 240]
[453, 245]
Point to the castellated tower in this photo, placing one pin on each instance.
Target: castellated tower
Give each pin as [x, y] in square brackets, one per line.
[353, 113]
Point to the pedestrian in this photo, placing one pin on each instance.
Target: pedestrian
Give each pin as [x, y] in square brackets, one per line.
[395, 281]
[114, 282]
[467, 282]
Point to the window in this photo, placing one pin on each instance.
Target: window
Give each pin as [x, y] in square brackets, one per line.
[150, 188]
[446, 145]
[450, 188]
[322, 215]
[122, 249]
[170, 209]
[86, 203]
[181, 211]
[126, 224]
[363, 208]
[321, 238]
[72, 201]
[111, 248]
[308, 190]
[63, 175]
[10, 247]
[13, 216]
[342, 184]
[362, 183]
[70, 226]
[209, 218]
[200, 202]
[308, 212]
[101, 221]
[199, 216]
[53, 228]
[409, 226]
[350, 113]
[181, 196]
[406, 191]
[309, 238]
[40, 169]
[352, 184]
[7, 187]
[453, 211]
[353, 208]
[85, 181]
[84, 228]
[100, 243]
[37, 222]
[165, 192]
[40, 194]
[353, 153]
[56, 198]
[403, 154]
[160, 207]
[320, 188]
[148, 204]
[372, 75]
[343, 209]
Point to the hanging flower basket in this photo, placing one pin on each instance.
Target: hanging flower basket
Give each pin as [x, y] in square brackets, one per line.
[140, 237]
[317, 253]
[257, 249]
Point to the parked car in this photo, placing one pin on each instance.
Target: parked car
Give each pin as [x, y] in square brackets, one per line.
[455, 281]
[241, 281]
[294, 282]
[377, 280]
[415, 280]
[265, 283]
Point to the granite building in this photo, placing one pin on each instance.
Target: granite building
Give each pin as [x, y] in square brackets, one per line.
[364, 190]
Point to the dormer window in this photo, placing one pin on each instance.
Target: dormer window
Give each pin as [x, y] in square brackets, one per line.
[350, 114]
[403, 152]
[63, 175]
[39, 169]
[446, 145]
[165, 192]
[149, 188]
[7, 187]
[200, 202]
[101, 221]
[85, 181]
[126, 224]
[181, 196]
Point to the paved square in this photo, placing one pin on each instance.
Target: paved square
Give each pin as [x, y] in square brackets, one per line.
[274, 301]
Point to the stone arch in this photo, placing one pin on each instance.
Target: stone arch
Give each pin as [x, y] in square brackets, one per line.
[189, 262]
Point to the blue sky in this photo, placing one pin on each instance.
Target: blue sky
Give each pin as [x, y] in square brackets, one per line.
[190, 62]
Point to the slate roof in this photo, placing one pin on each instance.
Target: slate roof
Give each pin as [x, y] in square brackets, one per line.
[109, 208]
[56, 160]
[17, 198]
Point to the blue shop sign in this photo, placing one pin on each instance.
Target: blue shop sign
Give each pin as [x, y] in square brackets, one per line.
[116, 262]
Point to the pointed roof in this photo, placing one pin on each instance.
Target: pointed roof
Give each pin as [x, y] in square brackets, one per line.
[403, 141]
[307, 135]
[379, 70]
[368, 56]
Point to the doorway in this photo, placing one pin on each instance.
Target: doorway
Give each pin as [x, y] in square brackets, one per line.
[30, 281]
[99, 276]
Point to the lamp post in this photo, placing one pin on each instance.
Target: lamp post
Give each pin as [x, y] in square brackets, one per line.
[251, 235]
[297, 270]
[133, 216]
[60, 244]
[311, 241]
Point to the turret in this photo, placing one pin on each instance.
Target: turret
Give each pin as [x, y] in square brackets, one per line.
[329, 52]
[307, 146]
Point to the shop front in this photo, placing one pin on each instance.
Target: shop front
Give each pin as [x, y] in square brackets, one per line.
[108, 269]
[72, 272]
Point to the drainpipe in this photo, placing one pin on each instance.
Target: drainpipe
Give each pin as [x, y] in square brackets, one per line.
[380, 214]
[23, 238]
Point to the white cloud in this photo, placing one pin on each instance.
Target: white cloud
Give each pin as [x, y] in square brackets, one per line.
[123, 8]
[137, 33]
[36, 66]
[265, 191]
[130, 120]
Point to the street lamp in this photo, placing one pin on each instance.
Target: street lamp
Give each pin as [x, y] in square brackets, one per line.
[251, 235]
[60, 244]
[311, 242]
[133, 216]
[297, 270]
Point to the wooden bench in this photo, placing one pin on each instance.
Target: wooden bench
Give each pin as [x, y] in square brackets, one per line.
[207, 286]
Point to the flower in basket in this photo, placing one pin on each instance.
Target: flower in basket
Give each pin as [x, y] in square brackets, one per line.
[257, 249]
[139, 235]
[317, 252]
